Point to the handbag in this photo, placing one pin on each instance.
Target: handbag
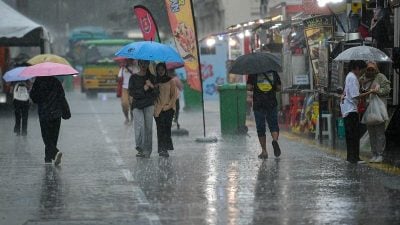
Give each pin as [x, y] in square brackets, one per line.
[362, 103]
[376, 112]
[66, 112]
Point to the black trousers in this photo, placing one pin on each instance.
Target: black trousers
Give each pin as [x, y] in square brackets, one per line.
[21, 112]
[164, 124]
[352, 129]
[50, 131]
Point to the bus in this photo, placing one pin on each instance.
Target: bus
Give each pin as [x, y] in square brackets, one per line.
[95, 61]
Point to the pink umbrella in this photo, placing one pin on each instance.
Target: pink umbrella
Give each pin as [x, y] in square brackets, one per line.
[48, 69]
[174, 65]
[120, 59]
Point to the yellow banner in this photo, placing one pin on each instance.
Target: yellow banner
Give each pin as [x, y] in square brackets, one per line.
[181, 20]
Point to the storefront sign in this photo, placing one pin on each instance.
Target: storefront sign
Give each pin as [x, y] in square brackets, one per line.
[301, 79]
[335, 74]
[317, 31]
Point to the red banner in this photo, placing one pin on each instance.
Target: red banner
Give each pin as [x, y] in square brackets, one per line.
[181, 19]
[146, 23]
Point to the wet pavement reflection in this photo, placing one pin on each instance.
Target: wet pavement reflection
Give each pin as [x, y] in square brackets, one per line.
[100, 181]
[51, 195]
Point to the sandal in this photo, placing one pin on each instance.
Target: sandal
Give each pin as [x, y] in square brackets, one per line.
[277, 149]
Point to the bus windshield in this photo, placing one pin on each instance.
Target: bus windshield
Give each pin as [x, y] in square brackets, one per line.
[100, 53]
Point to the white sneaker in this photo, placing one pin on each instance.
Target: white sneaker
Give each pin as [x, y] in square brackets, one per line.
[379, 159]
[361, 162]
[373, 159]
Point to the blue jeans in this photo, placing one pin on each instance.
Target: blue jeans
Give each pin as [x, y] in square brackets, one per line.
[266, 115]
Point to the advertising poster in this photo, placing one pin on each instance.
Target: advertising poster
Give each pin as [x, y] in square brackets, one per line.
[317, 30]
[323, 65]
[181, 20]
[213, 70]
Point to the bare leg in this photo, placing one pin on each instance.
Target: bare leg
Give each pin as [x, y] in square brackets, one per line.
[263, 143]
[125, 104]
[275, 136]
[275, 145]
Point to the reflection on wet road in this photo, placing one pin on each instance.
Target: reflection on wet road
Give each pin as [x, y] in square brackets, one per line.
[101, 182]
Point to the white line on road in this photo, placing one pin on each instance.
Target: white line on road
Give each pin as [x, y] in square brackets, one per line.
[137, 191]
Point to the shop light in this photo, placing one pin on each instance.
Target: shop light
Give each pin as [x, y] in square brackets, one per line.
[240, 35]
[251, 23]
[261, 21]
[247, 33]
[210, 42]
[245, 25]
[322, 3]
[232, 42]
[220, 37]
[279, 17]
[293, 34]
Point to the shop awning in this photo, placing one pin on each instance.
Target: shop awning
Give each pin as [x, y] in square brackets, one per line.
[18, 30]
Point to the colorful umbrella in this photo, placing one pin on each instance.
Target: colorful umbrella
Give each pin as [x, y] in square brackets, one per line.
[48, 69]
[119, 59]
[174, 65]
[15, 74]
[47, 58]
[149, 50]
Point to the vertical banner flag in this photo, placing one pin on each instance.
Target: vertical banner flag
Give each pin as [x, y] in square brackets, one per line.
[146, 23]
[181, 20]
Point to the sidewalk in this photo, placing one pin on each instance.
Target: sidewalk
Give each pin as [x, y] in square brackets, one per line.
[338, 148]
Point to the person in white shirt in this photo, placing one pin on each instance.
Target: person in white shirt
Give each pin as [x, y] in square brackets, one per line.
[348, 108]
[126, 101]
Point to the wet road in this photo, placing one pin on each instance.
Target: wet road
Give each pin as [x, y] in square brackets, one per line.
[101, 182]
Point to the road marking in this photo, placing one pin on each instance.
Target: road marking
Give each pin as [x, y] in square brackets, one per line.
[128, 175]
[137, 191]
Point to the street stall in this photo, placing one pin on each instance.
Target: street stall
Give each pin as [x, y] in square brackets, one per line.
[19, 36]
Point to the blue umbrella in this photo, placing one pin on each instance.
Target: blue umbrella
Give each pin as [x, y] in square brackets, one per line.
[14, 74]
[149, 50]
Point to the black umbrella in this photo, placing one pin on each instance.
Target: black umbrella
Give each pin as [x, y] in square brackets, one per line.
[258, 62]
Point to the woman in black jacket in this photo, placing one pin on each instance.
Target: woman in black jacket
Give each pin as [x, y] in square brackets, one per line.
[49, 94]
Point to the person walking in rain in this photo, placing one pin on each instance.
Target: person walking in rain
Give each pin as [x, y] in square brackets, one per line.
[348, 107]
[21, 104]
[125, 73]
[265, 107]
[141, 88]
[376, 83]
[164, 109]
[49, 94]
[179, 88]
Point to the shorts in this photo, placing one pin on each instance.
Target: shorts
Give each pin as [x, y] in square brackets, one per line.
[266, 115]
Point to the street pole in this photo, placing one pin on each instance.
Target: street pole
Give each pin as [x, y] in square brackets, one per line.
[204, 139]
